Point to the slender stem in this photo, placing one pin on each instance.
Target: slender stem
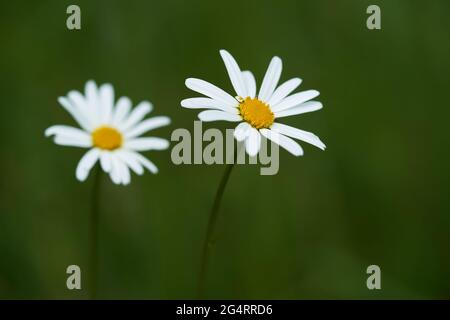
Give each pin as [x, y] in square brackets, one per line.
[95, 215]
[208, 244]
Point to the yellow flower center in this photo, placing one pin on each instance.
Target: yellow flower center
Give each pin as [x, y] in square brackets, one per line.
[106, 138]
[256, 113]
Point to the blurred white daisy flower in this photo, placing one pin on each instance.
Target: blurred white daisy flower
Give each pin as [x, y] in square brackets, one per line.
[110, 130]
[257, 113]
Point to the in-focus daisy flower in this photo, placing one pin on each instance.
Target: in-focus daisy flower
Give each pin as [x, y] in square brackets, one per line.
[111, 131]
[258, 114]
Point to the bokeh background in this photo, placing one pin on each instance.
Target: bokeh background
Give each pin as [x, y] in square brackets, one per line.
[378, 195]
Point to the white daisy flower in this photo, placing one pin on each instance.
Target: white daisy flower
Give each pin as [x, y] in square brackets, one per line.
[257, 113]
[111, 131]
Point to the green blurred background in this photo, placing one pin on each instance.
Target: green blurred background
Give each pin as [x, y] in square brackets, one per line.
[378, 195]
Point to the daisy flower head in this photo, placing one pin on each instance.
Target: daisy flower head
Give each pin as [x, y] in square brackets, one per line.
[110, 130]
[257, 113]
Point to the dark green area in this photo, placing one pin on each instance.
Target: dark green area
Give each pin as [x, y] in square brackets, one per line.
[378, 195]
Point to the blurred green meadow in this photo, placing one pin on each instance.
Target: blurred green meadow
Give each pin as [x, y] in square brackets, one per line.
[379, 194]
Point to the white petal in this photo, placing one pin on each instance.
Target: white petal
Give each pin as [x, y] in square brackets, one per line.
[121, 111]
[125, 177]
[67, 131]
[147, 125]
[86, 163]
[105, 161]
[271, 78]
[211, 91]
[253, 142]
[148, 143]
[216, 115]
[130, 160]
[250, 83]
[72, 142]
[146, 163]
[91, 90]
[298, 134]
[106, 94]
[141, 110]
[92, 98]
[287, 143]
[235, 74]
[80, 102]
[69, 136]
[126, 174]
[115, 173]
[295, 100]
[77, 99]
[75, 113]
[309, 106]
[208, 103]
[242, 130]
[284, 90]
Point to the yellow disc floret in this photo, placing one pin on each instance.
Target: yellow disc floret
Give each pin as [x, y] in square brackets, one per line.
[256, 113]
[107, 138]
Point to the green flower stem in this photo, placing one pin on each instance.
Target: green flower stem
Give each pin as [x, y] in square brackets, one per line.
[95, 216]
[208, 244]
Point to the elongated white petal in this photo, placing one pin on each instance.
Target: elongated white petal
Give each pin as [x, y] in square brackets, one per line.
[147, 143]
[211, 91]
[146, 163]
[75, 113]
[67, 131]
[115, 174]
[208, 103]
[130, 160]
[253, 142]
[105, 161]
[147, 125]
[271, 78]
[79, 102]
[121, 111]
[285, 142]
[91, 90]
[69, 136]
[242, 130]
[124, 171]
[141, 110]
[235, 74]
[126, 174]
[77, 99]
[72, 142]
[106, 94]
[216, 115]
[86, 163]
[295, 99]
[284, 90]
[298, 134]
[250, 83]
[308, 106]
[92, 99]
